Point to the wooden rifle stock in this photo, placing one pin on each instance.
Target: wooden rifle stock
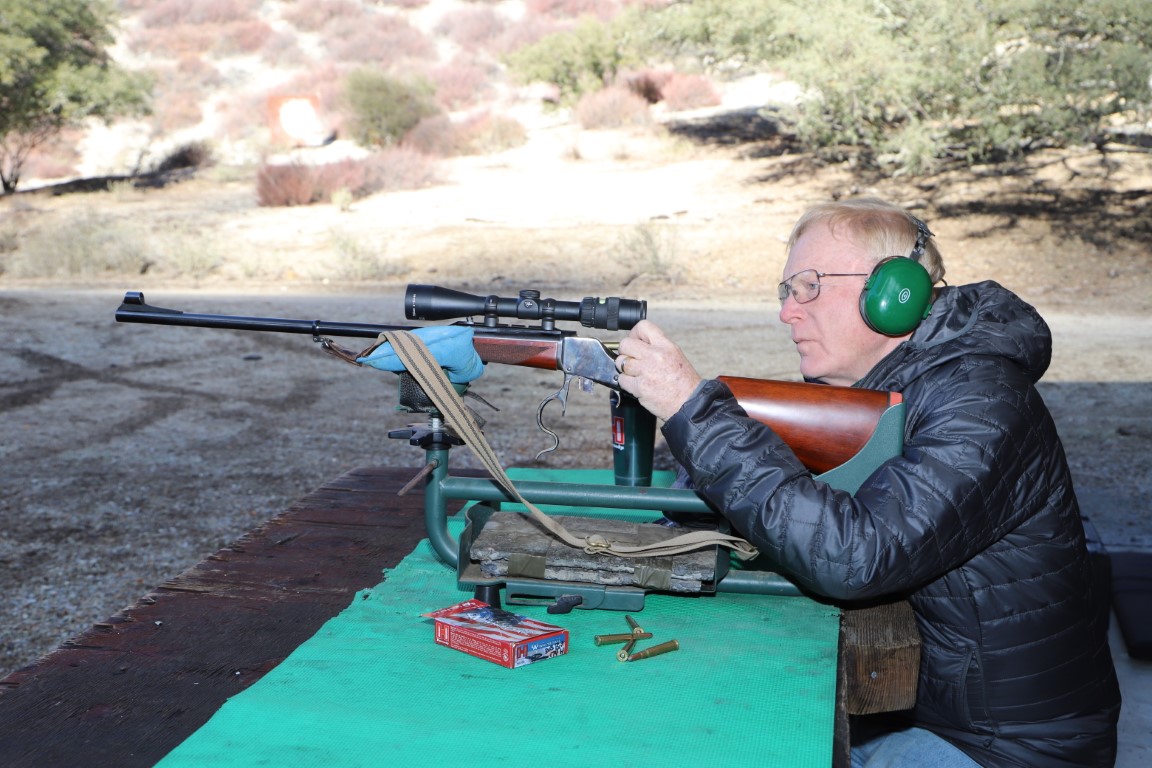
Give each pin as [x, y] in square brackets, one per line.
[525, 352]
[824, 425]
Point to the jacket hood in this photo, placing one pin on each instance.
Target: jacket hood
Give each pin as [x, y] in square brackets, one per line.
[979, 319]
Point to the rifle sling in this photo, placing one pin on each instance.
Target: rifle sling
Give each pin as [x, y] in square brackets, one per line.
[427, 371]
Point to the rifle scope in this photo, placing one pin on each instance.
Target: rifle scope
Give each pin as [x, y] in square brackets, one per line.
[430, 302]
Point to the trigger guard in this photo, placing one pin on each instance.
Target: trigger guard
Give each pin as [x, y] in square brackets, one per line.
[543, 428]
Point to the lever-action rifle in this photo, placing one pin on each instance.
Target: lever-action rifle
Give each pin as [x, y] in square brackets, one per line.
[824, 425]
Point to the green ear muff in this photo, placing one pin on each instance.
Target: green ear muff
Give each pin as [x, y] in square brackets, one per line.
[897, 296]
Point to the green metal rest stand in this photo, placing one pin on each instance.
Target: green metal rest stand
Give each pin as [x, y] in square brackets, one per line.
[574, 497]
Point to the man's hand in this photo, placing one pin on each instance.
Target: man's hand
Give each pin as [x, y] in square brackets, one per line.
[655, 371]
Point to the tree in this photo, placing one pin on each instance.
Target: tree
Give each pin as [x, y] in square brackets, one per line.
[55, 73]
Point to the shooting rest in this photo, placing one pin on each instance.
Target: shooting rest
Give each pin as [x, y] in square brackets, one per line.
[843, 442]
[632, 491]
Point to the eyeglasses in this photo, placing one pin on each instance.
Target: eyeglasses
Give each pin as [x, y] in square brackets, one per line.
[805, 285]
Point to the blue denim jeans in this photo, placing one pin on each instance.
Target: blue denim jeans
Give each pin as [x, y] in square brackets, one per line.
[909, 748]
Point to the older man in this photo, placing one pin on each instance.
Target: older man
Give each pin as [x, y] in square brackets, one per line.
[976, 524]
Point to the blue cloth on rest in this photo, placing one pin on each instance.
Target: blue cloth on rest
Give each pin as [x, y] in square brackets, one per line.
[451, 345]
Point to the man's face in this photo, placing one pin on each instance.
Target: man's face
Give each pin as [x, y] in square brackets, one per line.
[834, 343]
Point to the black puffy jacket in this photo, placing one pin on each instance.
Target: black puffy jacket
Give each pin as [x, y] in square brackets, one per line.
[976, 524]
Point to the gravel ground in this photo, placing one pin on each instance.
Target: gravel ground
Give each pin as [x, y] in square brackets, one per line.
[130, 452]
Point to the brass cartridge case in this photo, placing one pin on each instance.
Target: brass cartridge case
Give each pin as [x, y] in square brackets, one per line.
[621, 637]
[655, 650]
[623, 653]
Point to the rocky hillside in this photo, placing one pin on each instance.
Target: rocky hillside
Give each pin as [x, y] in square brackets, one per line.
[221, 67]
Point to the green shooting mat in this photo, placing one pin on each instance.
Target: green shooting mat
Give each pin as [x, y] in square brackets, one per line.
[753, 684]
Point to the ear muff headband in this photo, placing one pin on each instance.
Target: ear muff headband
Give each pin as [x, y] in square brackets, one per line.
[896, 296]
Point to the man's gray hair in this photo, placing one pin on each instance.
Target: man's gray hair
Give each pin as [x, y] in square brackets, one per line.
[883, 228]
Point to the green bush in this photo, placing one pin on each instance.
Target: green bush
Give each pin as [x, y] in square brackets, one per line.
[382, 108]
[578, 62]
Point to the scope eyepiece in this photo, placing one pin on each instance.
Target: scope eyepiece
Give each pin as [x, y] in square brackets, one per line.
[430, 302]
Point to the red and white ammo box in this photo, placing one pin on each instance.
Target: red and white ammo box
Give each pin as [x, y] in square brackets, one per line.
[499, 636]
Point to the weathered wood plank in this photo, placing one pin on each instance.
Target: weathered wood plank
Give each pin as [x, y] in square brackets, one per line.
[880, 658]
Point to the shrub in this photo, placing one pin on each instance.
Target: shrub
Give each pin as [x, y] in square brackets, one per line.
[243, 37]
[314, 15]
[381, 109]
[461, 83]
[378, 39]
[286, 185]
[193, 72]
[689, 92]
[486, 133]
[166, 14]
[178, 41]
[612, 107]
[648, 84]
[601, 9]
[177, 27]
[282, 50]
[436, 135]
[472, 28]
[296, 183]
[524, 32]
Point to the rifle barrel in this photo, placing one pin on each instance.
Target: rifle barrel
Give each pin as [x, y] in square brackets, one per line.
[135, 309]
[239, 323]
